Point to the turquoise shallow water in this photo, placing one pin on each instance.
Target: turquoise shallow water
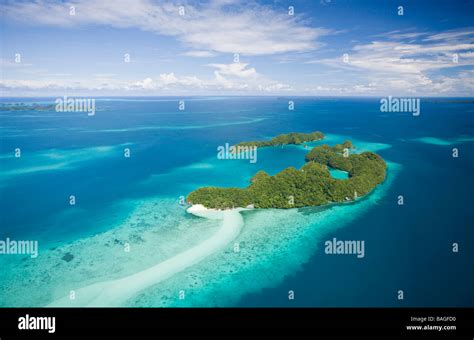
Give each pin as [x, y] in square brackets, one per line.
[159, 228]
[339, 174]
[136, 201]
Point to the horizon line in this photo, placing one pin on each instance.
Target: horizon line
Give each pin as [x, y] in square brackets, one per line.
[236, 96]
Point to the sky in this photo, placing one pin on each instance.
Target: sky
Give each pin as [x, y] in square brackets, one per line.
[227, 47]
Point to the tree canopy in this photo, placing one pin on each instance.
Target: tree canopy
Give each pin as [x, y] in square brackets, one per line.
[311, 185]
[285, 139]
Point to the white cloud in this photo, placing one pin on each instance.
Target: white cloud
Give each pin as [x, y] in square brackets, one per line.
[248, 28]
[168, 79]
[199, 54]
[146, 84]
[398, 35]
[227, 77]
[342, 90]
[235, 69]
[453, 35]
[410, 67]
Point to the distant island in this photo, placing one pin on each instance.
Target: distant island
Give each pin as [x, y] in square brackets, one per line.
[26, 107]
[286, 139]
[311, 185]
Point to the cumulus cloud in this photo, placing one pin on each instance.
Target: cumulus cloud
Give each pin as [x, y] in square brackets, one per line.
[235, 69]
[402, 61]
[167, 79]
[145, 84]
[237, 77]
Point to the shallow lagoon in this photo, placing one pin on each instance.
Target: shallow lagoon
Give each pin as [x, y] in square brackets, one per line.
[159, 228]
[338, 174]
[136, 201]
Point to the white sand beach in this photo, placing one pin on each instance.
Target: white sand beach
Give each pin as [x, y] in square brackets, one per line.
[116, 292]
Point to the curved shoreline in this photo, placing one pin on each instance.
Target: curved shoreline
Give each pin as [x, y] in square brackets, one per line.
[116, 292]
[310, 185]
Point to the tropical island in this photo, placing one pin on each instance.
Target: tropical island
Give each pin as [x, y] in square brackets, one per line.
[26, 107]
[311, 185]
[285, 139]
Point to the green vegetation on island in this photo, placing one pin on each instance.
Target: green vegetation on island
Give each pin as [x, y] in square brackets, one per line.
[285, 139]
[26, 107]
[312, 185]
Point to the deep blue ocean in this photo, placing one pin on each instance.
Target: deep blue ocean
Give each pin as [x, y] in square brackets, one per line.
[407, 247]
